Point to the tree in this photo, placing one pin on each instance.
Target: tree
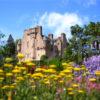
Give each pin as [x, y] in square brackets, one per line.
[92, 29]
[1, 47]
[1, 37]
[11, 47]
[76, 29]
[8, 50]
[76, 43]
[81, 41]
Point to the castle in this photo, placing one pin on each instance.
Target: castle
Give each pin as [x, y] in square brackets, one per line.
[34, 44]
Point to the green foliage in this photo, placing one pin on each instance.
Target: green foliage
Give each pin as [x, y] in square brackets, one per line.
[44, 57]
[82, 37]
[1, 47]
[11, 49]
[68, 54]
[92, 29]
[1, 35]
[56, 61]
[43, 60]
[76, 29]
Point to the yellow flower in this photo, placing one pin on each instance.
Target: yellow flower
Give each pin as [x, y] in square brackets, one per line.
[47, 82]
[16, 71]
[70, 93]
[17, 67]
[28, 74]
[20, 78]
[92, 79]
[69, 89]
[11, 86]
[37, 75]
[39, 69]
[22, 68]
[97, 73]
[64, 64]
[80, 91]
[1, 78]
[67, 71]
[8, 65]
[20, 56]
[52, 66]
[8, 60]
[70, 68]
[77, 69]
[52, 76]
[50, 71]
[69, 76]
[55, 78]
[1, 71]
[83, 68]
[9, 74]
[46, 79]
[27, 61]
[75, 85]
[61, 81]
[59, 76]
[30, 64]
[37, 78]
[5, 87]
[62, 74]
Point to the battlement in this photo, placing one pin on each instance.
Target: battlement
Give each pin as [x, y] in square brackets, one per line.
[37, 29]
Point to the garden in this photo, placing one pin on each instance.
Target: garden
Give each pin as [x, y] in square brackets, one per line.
[74, 76]
[25, 81]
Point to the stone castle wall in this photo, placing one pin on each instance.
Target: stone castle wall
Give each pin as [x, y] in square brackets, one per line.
[34, 44]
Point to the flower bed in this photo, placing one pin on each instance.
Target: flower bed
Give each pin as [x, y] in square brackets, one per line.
[25, 81]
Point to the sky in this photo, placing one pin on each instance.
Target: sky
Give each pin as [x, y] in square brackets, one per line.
[55, 16]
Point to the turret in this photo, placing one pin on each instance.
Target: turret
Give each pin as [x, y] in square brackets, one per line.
[10, 39]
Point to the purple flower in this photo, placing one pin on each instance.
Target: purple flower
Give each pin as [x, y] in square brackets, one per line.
[93, 63]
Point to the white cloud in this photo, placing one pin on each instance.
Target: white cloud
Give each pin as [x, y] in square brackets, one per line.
[59, 23]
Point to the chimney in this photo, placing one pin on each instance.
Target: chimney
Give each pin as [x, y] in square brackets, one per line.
[50, 36]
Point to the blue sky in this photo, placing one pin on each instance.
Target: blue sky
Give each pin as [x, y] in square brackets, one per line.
[55, 16]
